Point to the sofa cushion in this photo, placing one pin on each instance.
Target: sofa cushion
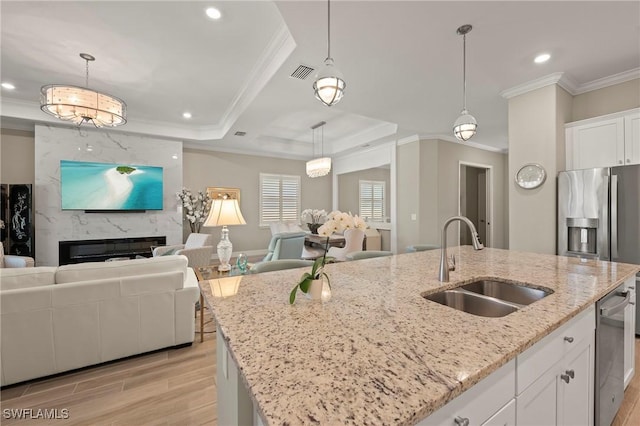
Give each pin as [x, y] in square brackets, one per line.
[15, 278]
[125, 268]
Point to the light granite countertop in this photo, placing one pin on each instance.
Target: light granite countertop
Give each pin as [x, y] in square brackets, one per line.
[379, 353]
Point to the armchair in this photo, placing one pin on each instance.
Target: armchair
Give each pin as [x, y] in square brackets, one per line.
[285, 245]
[14, 261]
[352, 242]
[198, 249]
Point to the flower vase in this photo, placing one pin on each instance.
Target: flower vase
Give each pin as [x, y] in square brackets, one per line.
[313, 227]
[319, 290]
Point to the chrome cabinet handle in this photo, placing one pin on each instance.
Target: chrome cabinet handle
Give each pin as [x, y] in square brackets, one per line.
[461, 421]
[565, 377]
[568, 339]
[571, 373]
[632, 287]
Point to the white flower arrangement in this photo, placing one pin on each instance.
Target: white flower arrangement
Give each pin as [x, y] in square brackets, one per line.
[313, 216]
[338, 221]
[195, 207]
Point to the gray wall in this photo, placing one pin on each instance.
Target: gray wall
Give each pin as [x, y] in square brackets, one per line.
[607, 100]
[17, 156]
[428, 187]
[349, 184]
[210, 168]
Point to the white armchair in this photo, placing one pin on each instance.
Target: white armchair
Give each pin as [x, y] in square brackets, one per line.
[353, 239]
[14, 261]
[198, 249]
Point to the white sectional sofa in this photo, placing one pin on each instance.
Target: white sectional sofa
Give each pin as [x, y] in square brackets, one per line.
[59, 319]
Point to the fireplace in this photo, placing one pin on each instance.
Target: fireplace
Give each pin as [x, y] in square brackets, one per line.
[108, 248]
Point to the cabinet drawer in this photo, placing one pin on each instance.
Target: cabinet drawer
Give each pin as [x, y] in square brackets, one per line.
[505, 417]
[480, 402]
[539, 358]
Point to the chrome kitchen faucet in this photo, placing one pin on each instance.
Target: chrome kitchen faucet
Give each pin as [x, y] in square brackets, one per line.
[443, 274]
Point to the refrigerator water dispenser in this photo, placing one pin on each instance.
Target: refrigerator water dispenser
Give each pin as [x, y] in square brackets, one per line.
[582, 235]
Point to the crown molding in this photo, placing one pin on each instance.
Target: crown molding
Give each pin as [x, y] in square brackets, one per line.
[538, 83]
[568, 84]
[608, 81]
[452, 139]
[408, 139]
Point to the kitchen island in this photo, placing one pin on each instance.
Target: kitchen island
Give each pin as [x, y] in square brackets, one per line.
[377, 352]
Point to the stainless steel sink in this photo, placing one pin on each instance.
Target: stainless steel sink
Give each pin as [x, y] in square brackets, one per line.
[472, 303]
[489, 298]
[510, 292]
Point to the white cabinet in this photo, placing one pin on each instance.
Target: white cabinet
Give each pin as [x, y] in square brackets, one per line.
[612, 140]
[505, 417]
[630, 331]
[556, 376]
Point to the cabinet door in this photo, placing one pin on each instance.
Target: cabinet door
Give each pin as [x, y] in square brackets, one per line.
[632, 139]
[538, 404]
[575, 397]
[598, 144]
[505, 417]
[630, 333]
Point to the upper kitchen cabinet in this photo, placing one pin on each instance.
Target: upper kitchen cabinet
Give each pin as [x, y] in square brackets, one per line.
[607, 141]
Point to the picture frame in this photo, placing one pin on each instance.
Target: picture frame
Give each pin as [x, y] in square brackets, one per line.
[217, 192]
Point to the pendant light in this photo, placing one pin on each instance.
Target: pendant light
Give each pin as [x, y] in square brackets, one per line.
[329, 85]
[318, 166]
[81, 104]
[465, 126]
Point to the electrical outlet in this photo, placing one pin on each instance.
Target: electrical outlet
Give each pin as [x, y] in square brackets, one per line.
[414, 216]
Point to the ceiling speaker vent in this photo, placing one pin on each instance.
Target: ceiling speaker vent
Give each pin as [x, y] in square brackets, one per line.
[240, 133]
[302, 72]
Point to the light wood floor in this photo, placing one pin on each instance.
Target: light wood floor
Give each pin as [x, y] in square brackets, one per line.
[170, 387]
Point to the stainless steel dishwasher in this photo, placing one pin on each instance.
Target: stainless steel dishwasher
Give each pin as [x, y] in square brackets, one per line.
[610, 355]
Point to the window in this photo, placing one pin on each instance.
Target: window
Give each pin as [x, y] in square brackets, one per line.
[372, 200]
[279, 198]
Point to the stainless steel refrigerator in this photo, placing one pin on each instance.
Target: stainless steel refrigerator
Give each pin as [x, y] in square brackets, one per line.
[599, 215]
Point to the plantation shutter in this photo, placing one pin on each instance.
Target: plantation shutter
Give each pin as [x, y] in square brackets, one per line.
[372, 200]
[279, 198]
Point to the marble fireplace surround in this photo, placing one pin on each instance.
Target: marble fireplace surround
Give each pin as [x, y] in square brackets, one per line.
[52, 224]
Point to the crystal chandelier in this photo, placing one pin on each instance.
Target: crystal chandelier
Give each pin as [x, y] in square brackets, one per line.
[318, 166]
[465, 126]
[81, 104]
[329, 85]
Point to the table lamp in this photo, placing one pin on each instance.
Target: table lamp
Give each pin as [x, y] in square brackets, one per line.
[224, 211]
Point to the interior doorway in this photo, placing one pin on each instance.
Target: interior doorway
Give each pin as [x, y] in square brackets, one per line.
[475, 200]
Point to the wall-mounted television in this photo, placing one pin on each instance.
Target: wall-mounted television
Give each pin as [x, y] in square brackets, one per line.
[110, 187]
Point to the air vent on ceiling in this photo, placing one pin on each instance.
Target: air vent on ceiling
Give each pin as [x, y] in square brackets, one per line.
[302, 72]
[240, 133]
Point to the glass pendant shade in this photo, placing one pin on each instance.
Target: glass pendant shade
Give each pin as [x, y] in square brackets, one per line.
[318, 167]
[329, 85]
[80, 105]
[465, 126]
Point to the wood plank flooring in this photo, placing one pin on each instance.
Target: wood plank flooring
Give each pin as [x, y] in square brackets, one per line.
[170, 387]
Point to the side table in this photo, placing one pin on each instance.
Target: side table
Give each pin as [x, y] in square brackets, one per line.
[203, 275]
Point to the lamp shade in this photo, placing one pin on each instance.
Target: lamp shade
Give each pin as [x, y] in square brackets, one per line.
[224, 212]
[80, 105]
[318, 167]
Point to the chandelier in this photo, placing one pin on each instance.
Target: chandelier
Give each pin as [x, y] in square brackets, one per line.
[465, 126]
[318, 166]
[81, 104]
[329, 85]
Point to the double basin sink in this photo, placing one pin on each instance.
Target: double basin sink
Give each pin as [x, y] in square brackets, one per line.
[489, 297]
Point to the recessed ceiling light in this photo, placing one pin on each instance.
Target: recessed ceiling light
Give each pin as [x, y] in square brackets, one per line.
[174, 156]
[8, 86]
[186, 115]
[542, 58]
[213, 13]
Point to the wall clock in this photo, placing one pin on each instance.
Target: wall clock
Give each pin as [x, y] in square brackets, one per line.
[531, 176]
